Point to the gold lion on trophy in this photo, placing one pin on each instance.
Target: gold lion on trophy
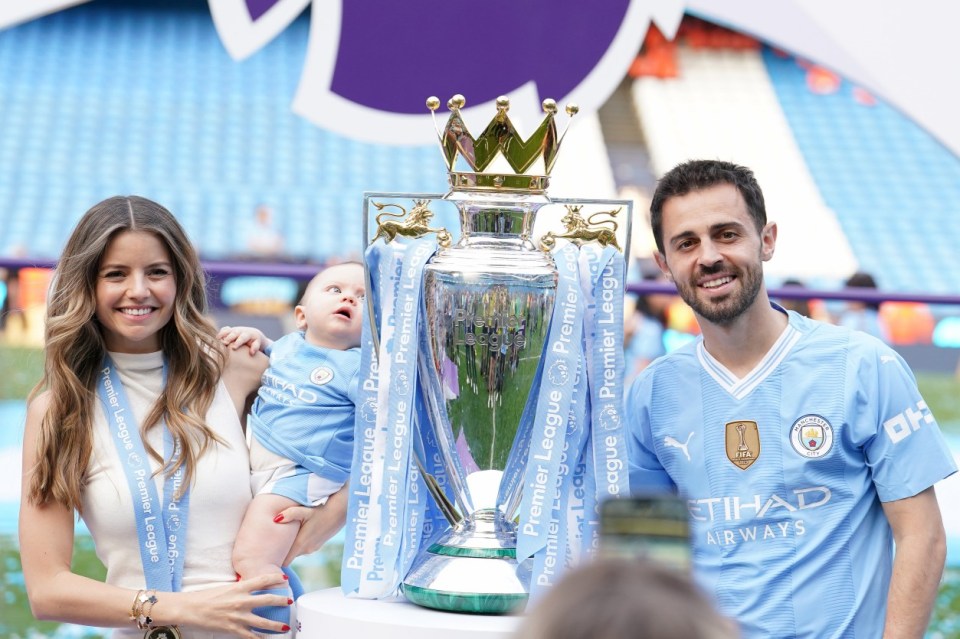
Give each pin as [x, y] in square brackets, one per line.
[580, 231]
[415, 224]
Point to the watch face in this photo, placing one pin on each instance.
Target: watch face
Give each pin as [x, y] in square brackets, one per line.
[162, 632]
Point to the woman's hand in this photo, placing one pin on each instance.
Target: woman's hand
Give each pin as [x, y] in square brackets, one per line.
[317, 525]
[224, 608]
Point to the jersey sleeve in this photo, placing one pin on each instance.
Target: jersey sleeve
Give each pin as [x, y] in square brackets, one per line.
[902, 442]
[647, 474]
[282, 347]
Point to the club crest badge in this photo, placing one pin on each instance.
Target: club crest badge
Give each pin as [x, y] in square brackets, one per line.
[742, 443]
[812, 436]
[321, 375]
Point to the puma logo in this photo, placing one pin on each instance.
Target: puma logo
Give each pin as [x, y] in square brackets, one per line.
[671, 442]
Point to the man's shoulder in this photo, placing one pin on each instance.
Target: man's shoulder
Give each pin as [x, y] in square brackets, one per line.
[857, 343]
[684, 357]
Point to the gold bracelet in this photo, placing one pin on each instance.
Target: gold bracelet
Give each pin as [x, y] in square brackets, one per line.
[145, 618]
[142, 617]
[135, 606]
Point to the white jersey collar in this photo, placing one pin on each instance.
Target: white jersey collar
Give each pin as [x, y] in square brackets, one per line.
[740, 388]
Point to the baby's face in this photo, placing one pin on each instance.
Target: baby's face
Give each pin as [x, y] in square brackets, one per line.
[331, 313]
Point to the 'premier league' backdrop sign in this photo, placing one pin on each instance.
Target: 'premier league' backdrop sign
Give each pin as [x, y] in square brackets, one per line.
[488, 424]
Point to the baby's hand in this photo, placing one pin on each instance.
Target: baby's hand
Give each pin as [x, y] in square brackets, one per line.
[236, 337]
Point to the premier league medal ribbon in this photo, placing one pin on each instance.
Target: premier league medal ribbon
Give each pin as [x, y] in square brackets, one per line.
[160, 525]
[176, 513]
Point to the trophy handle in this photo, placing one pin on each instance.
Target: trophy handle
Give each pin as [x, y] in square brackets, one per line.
[580, 231]
[446, 506]
[413, 224]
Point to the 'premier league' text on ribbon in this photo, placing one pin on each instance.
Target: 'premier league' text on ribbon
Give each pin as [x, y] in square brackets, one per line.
[557, 554]
[151, 531]
[601, 283]
[561, 361]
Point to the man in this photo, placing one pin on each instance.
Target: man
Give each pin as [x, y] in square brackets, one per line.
[804, 449]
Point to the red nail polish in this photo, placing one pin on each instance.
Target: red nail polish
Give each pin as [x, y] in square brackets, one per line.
[238, 576]
[278, 518]
[285, 627]
[285, 577]
[289, 602]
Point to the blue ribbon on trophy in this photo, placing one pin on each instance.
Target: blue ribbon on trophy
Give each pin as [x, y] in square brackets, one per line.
[573, 493]
[360, 565]
[602, 277]
[386, 503]
[561, 360]
[603, 289]
[427, 449]
[595, 438]
[562, 548]
[398, 372]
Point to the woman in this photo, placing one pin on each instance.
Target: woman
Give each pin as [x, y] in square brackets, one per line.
[129, 353]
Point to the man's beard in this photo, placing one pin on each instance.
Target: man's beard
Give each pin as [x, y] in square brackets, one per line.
[724, 311]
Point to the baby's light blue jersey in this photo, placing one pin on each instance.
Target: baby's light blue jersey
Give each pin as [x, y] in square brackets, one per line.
[305, 406]
[784, 471]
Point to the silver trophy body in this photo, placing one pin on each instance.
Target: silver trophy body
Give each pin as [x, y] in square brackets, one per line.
[488, 302]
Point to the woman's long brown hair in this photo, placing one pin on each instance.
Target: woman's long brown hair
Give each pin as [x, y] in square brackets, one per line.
[75, 349]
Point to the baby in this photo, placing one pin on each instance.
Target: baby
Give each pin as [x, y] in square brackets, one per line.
[300, 430]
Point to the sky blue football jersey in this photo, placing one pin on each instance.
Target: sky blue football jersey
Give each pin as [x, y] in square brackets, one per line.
[305, 406]
[784, 471]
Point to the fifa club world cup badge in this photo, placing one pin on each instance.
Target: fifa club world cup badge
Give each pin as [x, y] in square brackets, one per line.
[742, 443]
[812, 436]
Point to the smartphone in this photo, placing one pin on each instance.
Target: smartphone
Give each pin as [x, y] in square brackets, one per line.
[653, 526]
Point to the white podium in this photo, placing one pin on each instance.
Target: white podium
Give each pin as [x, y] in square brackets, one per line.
[328, 614]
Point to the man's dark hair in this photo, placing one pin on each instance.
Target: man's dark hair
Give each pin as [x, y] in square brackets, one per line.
[701, 174]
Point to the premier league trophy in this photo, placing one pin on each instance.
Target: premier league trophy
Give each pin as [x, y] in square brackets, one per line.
[483, 346]
[488, 301]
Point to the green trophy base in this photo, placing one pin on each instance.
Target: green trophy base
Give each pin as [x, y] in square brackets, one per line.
[472, 568]
[485, 586]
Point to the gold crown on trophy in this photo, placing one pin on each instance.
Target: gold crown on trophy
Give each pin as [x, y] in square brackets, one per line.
[500, 138]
